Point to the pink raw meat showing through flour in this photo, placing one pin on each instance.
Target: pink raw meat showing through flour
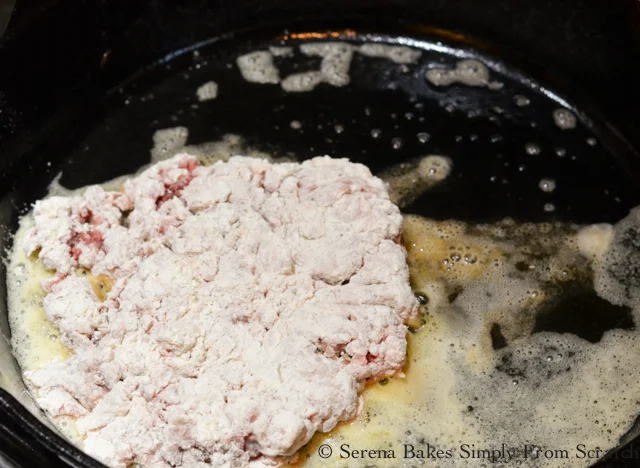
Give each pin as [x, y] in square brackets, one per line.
[250, 303]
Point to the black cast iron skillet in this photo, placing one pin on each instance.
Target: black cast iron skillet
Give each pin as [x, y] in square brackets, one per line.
[83, 88]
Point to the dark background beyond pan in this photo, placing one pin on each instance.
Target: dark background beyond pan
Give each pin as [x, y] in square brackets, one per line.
[59, 59]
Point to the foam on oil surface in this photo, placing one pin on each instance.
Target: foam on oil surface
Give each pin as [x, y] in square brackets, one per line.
[468, 72]
[617, 271]
[334, 67]
[479, 285]
[407, 181]
[564, 119]
[207, 91]
[397, 54]
[259, 67]
[478, 376]
[476, 373]
[170, 141]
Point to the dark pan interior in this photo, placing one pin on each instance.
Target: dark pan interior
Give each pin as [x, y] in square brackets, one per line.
[379, 117]
[485, 132]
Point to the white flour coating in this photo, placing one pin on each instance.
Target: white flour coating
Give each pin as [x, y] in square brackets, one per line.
[258, 67]
[334, 68]
[565, 119]
[397, 54]
[467, 72]
[248, 304]
[207, 91]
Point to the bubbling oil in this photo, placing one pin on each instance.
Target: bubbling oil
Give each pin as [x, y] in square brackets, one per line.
[483, 373]
[498, 358]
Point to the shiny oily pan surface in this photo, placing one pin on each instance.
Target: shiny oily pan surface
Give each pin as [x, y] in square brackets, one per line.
[503, 356]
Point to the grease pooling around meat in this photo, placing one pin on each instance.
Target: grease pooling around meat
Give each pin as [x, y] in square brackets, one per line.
[546, 388]
[485, 368]
[219, 316]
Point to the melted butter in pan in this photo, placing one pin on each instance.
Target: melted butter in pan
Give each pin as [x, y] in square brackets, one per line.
[35, 340]
[496, 361]
[483, 366]
[500, 355]
[101, 284]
